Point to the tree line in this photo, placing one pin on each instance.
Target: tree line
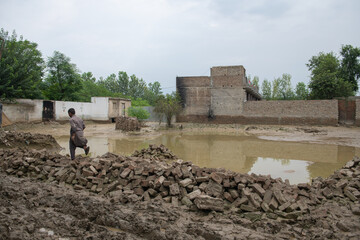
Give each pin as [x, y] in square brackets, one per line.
[25, 74]
[331, 76]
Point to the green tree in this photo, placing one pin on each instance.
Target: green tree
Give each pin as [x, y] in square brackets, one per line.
[138, 112]
[137, 87]
[326, 81]
[21, 68]
[255, 82]
[350, 66]
[153, 92]
[63, 82]
[285, 91]
[168, 106]
[139, 102]
[266, 89]
[276, 89]
[123, 79]
[91, 88]
[302, 92]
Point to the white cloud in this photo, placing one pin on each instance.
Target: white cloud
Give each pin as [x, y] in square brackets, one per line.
[160, 39]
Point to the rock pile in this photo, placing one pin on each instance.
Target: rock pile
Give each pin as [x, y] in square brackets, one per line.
[154, 152]
[11, 139]
[127, 124]
[132, 179]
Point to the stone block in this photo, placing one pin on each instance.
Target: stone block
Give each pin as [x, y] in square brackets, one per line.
[186, 201]
[284, 206]
[78, 187]
[214, 189]
[125, 173]
[234, 193]
[279, 196]
[267, 196]
[194, 194]
[327, 192]
[174, 189]
[87, 173]
[258, 189]
[185, 182]
[247, 208]
[265, 207]
[175, 201]
[273, 204]
[350, 195]
[228, 197]
[216, 177]
[205, 202]
[92, 168]
[202, 179]
[239, 201]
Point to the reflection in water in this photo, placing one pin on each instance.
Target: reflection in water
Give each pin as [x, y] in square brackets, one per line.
[298, 162]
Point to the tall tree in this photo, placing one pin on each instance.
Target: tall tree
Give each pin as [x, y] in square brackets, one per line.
[21, 68]
[91, 88]
[63, 82]
[123, 80]
[137, 87]
[302, 93]
[266, 89]
[326, 81]
[350, 66]
[276, 89]
[255, 82]
[153, 92]
[285, 90]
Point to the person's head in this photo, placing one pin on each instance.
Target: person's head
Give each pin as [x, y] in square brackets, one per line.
[71, 112]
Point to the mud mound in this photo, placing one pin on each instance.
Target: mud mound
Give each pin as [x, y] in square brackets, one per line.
[154, 152]
[127, 124]
[11, 139]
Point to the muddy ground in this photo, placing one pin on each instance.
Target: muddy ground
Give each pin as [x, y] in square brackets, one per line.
[340, 135]
[33, 208]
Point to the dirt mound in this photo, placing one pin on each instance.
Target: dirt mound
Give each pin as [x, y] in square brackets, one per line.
[166, 201]
[11, 139]
[127, 124]
[154, 152]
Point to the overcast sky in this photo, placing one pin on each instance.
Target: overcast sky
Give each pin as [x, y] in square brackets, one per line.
[158, 40]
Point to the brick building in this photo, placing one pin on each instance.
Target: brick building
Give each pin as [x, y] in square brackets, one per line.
[220, 94]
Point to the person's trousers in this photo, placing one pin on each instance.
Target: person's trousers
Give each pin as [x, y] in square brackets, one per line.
[72, 149]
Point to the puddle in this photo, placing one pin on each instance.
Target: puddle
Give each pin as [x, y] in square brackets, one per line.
[298, 162]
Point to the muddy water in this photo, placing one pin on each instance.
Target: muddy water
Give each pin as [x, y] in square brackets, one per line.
[298, 162]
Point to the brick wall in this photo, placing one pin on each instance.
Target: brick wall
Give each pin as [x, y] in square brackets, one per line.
[357, 113]
[313, 112]
[195, 94]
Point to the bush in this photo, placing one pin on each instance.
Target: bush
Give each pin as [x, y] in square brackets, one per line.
[138, 112]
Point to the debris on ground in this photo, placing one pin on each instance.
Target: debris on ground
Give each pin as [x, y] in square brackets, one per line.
[154, 152]
[127, 124]
[11, 139]
[134, 197]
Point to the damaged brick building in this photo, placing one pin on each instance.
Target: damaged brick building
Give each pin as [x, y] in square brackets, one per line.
[218, 96]
[226, 96]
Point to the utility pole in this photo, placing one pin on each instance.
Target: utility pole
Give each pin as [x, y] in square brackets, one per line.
[2, 43]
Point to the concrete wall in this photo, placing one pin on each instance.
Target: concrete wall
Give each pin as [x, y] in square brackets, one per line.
[24, 110]
[82, 109]
[100, 106]
[357, 113]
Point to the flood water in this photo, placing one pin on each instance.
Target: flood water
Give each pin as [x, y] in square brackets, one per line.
[298, 162]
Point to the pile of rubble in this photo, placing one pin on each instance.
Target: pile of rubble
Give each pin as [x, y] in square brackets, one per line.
[153, 152]
[11, 139]
[133, 179]
[127, 124]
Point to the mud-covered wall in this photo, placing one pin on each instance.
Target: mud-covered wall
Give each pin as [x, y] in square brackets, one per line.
[357, 113]
[82, 109]
[195, 94]
[313, 112]
[24, 110]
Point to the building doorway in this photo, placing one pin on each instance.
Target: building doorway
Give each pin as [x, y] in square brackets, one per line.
[48, 111]
[347, 109]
